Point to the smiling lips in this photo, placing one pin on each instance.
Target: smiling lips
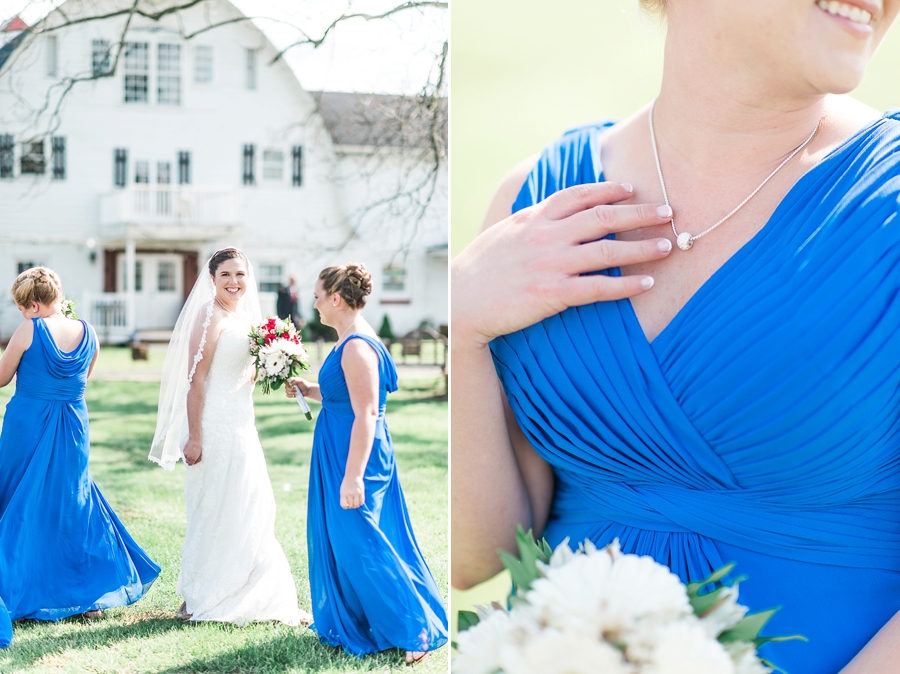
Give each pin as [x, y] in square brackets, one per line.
[850, 12]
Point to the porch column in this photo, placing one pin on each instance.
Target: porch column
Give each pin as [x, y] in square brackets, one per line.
[128, 283]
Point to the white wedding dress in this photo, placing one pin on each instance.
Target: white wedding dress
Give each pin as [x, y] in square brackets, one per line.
[232, 567]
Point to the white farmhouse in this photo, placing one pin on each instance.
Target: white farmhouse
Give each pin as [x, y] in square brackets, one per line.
[131, 148]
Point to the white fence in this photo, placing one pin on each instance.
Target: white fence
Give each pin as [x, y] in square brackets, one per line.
[169, 205]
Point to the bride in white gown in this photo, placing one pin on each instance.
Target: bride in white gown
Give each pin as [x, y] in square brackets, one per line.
[232, 567]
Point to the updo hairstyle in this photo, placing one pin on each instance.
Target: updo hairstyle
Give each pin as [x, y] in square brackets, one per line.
[221, 256]
[351, 281]
[37, 284]
[655, 8]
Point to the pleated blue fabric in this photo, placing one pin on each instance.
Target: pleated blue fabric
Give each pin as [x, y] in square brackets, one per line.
[371, 587]
[63, 551]
[761, 426]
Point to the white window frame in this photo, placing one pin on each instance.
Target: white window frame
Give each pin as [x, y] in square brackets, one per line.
[271, 277]
[168, 73]
[273, 164]
[203, 64]
[251, 71]
[52, 56]
[101, 59]
[136, 65]
[389, 274]
[166, 271]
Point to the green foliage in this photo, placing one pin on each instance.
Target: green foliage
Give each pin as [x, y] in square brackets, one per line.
[524, 570]
[386, 331]
[146, 637]
[466, 620]
[314, 329]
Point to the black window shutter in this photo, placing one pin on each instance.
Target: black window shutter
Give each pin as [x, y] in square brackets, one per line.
[6, 156]
[297, 166]
[58, 145]
[121, 172]
[249, 164]
[184, 168]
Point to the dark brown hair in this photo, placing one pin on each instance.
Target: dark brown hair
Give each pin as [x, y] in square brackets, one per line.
[351, 281]
[37, 284]
[221, 256]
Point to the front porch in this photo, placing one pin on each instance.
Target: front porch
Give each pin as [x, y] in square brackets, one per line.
[151, 240]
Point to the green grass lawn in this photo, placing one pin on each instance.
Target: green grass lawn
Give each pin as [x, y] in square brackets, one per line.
[145, 637]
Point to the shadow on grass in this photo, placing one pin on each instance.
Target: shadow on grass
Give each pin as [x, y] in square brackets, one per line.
[289, 652]
[30, 653]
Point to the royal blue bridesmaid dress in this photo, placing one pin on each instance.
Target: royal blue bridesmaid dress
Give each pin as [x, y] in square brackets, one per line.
[762, 426]
[371, 588]
[63, 551]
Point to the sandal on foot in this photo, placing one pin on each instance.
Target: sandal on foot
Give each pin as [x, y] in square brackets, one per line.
[92, 614]
[412, 657]
[182, 612]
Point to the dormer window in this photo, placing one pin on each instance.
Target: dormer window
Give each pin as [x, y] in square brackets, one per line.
[137, 72]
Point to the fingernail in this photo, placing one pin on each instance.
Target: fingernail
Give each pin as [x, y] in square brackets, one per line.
[664, 245]
[627, 187]
[647, 282]
[664, 211]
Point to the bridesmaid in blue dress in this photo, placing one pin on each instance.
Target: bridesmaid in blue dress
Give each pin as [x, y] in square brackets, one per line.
[371, 588]
[737, 399]
[63, 551]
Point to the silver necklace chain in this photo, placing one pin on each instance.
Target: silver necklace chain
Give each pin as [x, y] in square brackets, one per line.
[344, 333]
[686, 240]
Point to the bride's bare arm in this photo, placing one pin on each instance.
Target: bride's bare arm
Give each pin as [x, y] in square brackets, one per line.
[524, 268]
[193, 449]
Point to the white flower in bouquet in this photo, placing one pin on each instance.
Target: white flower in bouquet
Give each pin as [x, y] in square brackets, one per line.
[684, 647]
[745, 660]
[725, 614]
[479, 650]
[603, 611]
[295, 350]
[585, 596]
[553, 652]
[272, 359]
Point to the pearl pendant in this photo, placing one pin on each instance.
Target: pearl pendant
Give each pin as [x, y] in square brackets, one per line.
[684, 241]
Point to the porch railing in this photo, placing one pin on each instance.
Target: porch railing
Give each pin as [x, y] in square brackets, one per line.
[169, 205]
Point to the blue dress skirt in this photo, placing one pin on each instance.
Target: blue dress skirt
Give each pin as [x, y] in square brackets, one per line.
[762, 426]
[371, 588]
[63, 551]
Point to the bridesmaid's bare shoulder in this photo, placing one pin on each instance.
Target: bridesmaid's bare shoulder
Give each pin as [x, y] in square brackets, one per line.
[507, 191]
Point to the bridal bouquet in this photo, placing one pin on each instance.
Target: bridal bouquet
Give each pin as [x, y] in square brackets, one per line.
[277, 354]
[601, 611]
[68, 309]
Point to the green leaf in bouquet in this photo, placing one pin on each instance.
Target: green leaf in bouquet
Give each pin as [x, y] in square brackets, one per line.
[277, 384]
[759, 641]
[748, 629]
[467, 619]
[524, 570]
[693, 589]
